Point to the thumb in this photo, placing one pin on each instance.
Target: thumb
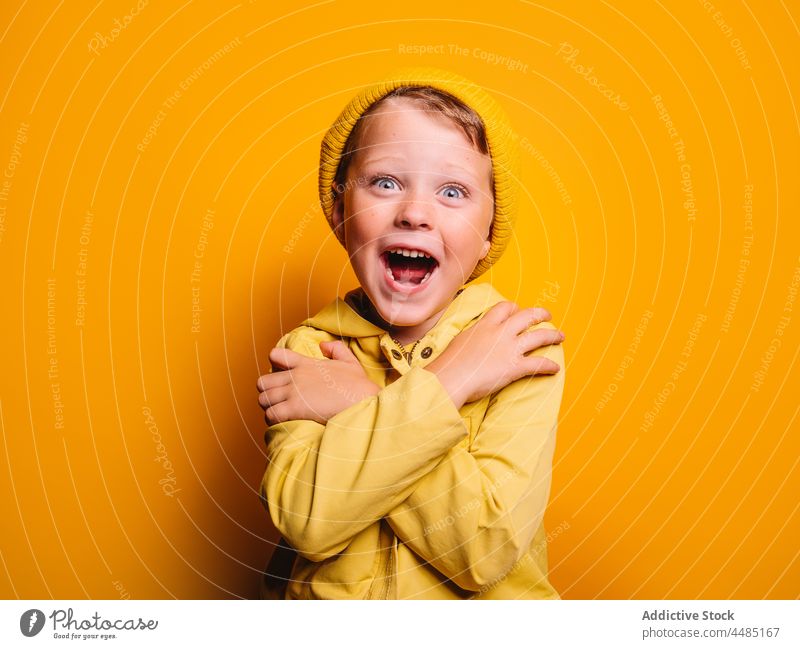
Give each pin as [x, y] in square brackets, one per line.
[337, 351]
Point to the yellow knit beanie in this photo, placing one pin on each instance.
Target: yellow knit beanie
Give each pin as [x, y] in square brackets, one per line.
[503, 145]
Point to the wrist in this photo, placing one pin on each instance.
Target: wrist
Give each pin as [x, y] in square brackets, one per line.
[452, 383]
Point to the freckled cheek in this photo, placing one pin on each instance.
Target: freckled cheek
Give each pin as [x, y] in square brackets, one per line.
[362, 228]
[368, 222]
[362, 237]
[468, 232]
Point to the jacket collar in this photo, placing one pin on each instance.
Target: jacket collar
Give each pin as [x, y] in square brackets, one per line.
[343, 318]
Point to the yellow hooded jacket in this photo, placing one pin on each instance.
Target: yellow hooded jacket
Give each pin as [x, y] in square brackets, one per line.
[403, 496]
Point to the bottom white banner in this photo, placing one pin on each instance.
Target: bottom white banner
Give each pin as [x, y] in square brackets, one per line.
[595, 623]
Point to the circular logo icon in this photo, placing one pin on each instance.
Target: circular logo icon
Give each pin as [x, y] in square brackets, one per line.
[31, 622]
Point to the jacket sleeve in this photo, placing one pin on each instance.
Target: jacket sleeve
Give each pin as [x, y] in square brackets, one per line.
[474, 516]
[326, 483]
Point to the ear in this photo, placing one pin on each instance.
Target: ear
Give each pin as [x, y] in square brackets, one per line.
[337, 214]
[486, 245]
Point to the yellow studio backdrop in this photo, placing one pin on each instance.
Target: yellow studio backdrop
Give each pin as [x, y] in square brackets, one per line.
[159, 231]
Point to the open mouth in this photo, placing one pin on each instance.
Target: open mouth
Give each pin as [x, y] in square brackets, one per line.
[408, 268]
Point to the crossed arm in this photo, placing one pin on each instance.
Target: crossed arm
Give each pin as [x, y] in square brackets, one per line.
[396, 453]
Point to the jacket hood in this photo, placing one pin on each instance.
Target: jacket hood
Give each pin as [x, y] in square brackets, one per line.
[342, 318]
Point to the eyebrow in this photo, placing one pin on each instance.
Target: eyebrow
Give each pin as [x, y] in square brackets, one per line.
[457, 167]
[450, 166]
[381, 160]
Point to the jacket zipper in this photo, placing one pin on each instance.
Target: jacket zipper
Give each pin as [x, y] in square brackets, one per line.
[385, 572]
[408, 355]
[389, 572]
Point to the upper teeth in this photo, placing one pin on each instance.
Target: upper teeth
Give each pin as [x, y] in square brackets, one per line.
[409, 253]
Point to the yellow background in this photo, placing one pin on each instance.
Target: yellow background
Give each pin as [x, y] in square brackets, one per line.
[172, 163]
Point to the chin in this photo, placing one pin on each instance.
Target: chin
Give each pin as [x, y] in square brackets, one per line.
[404, 315]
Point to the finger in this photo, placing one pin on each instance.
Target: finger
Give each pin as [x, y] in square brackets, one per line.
[501, 311]
[337, 350]
[274, 415]
[525, 318]
[326, 348]
[273, 397]
[540, 365]
[286, 358]
[273, 380]
[531, 340]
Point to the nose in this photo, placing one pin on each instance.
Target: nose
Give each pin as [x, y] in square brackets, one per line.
[414, 211]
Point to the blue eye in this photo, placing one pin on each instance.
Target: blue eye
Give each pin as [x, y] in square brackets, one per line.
[454, 191]
[384, 179]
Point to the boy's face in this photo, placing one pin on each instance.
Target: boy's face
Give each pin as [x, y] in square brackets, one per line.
[416, 183]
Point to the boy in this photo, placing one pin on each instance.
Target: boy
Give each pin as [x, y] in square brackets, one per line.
[411, 431]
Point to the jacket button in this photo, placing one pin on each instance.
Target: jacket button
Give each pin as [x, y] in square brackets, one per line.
[397, 354]
[427, 352]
